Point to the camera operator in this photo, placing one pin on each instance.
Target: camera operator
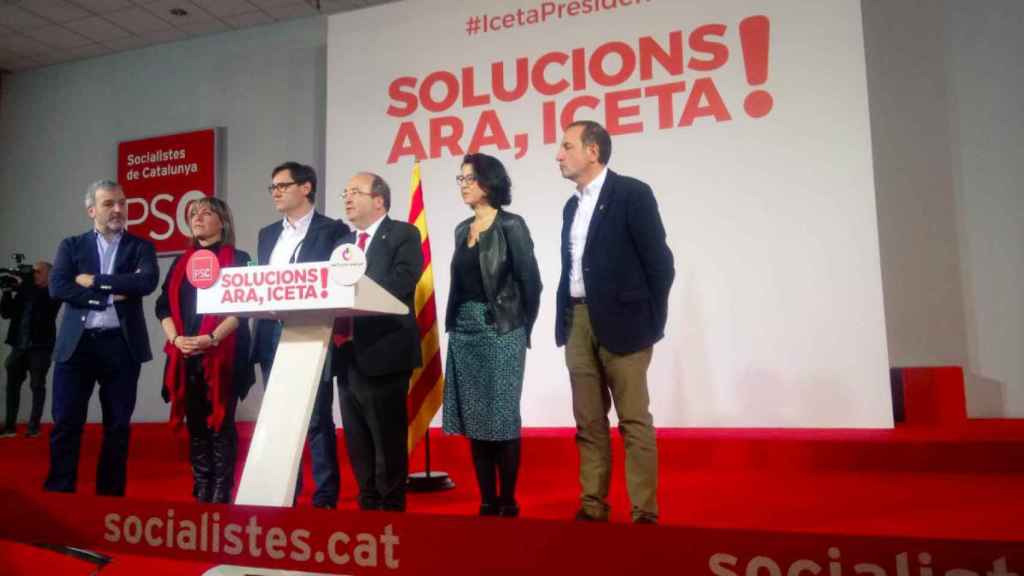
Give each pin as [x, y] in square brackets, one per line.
[33, 314]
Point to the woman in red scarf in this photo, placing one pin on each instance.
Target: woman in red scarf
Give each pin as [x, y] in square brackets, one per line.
[208, 367]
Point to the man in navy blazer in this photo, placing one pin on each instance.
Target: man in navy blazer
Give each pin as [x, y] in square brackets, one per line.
[617, 271]
[304, 235]
[101, 276]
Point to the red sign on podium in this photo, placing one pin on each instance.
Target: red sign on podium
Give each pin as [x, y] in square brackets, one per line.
[160, 177]
[202, 269]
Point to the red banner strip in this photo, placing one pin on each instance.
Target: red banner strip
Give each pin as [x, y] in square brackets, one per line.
[389, 543]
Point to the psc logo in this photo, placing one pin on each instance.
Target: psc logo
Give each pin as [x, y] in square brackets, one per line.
[163, 219]
[202, 269]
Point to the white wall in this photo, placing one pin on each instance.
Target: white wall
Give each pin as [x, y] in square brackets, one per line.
[945, 80]
[924, 310]
[986, 124]
[60, 126]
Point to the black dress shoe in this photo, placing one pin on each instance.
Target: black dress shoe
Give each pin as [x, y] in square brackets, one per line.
[509, 510]
[488, 509]
[324, 506]
[645, 520]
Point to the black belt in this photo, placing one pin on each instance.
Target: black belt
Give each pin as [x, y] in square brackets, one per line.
[101, 332]
[576, 301]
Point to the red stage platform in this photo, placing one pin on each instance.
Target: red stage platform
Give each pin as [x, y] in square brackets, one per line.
[929, 479]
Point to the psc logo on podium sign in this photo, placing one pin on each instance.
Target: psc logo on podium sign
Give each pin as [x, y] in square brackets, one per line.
[202, 269]
[161, 176]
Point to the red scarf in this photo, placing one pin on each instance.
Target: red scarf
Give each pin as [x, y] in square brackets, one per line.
[217, 361]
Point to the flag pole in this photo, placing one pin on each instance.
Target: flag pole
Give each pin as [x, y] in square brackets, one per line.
[427, 383]
[428, 480]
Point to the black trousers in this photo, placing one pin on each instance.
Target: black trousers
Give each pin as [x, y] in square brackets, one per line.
[374, 415]
[102, 357]
[34, 363]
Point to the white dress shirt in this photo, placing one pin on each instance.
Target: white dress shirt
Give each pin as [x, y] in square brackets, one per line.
[291, 238]
[106, 318]
[578, 232]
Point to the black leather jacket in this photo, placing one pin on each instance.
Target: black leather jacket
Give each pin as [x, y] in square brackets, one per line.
[509, 271]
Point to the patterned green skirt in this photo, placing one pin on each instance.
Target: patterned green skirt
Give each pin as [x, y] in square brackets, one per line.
[484, 377]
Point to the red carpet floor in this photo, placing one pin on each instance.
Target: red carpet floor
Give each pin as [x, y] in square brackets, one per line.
[966, 483]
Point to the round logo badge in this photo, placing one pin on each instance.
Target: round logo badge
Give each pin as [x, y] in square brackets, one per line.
[202, 269]
[348, 264]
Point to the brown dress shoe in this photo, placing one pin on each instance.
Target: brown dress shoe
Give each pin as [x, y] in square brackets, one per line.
[583, 516]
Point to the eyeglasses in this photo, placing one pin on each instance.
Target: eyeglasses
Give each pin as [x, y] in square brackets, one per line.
[345, 194]
[465, 179]
[280, 186]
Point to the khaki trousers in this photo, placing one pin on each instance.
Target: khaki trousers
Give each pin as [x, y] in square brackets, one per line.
[599, 378]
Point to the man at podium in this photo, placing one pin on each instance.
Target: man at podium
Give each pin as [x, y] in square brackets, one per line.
[304, 235]
[373, 367]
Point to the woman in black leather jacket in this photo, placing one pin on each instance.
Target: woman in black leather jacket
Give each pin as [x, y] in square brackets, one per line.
[492, 305]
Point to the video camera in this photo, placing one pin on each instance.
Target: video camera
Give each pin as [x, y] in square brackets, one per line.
[18, 275]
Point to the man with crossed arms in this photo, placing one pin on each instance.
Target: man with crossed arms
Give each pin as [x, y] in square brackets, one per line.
[101, 276]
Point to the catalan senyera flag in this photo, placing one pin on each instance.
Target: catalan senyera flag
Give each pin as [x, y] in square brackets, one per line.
[426, 386]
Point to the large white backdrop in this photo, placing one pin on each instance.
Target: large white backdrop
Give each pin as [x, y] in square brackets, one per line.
[775, 317]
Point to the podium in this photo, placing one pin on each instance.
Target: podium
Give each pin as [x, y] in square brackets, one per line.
[305, 298]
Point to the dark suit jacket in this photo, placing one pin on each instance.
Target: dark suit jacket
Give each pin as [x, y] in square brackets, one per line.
[388, 344]
[135, 275]
[627, 268]
[323, 235]
[41, 328]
